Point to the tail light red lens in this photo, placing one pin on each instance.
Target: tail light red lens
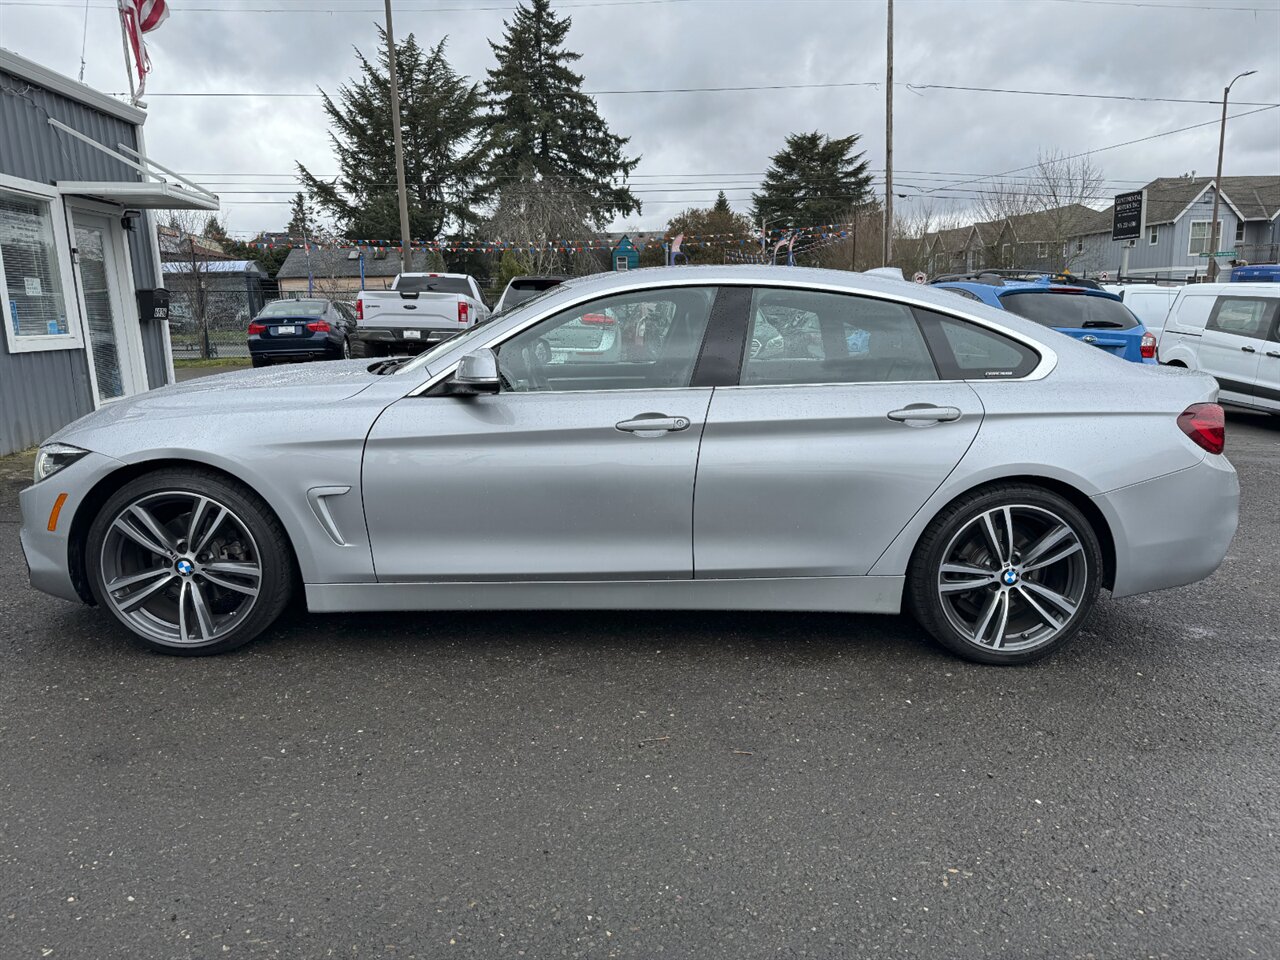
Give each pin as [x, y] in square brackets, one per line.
[257, 328]
[318, 326]
[464, 311]
[1148, 346]
[1205, 424]
[359, 309]
[600, 318]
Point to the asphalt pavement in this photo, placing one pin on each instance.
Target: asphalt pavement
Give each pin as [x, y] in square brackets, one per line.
[649, 785]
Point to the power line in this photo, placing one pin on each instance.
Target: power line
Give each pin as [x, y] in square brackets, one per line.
[649, 91]
[586, 4]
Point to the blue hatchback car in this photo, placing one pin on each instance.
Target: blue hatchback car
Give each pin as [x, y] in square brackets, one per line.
[286, 330]
[1068, 306]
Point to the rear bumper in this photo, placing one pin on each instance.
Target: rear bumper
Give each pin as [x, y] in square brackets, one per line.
[1172, 530]
[397, 336]
[314, 345]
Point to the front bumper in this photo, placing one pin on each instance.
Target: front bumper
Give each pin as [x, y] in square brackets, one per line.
[48, 551]
[1175, 529]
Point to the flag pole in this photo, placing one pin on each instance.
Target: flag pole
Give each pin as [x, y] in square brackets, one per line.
[128, 66]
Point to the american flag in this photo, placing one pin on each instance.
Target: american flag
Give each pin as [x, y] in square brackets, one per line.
[139, 17]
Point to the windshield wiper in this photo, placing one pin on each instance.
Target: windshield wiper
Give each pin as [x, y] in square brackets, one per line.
[1111, 324]
[390, 366]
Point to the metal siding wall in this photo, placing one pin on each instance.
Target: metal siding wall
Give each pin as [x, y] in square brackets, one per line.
[41, 392]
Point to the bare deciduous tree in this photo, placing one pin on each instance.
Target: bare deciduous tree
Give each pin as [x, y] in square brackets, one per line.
[530, 215]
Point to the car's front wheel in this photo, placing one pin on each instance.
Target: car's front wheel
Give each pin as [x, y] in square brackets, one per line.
[1005, 575]
[191, 562]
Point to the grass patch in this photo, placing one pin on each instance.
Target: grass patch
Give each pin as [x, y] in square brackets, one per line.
[180, 364]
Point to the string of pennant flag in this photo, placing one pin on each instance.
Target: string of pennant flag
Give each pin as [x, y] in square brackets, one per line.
[831, 231]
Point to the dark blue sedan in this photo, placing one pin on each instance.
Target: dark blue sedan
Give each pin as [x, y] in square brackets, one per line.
[287, 330]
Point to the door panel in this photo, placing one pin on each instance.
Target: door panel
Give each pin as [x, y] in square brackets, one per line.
[536, 485]
[1234, 343]
[817, 480]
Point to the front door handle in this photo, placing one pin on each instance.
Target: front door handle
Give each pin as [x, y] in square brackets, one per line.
[1273, 353]
[926, 412]
[1248, 350]
[653, 424]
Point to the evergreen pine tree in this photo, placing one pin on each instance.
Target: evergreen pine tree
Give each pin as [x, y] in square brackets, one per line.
[721, 207]
[440, 121]
[542, 127]
[813, 180]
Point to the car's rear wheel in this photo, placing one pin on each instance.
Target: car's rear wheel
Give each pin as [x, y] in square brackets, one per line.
[361, 348]
[346, 348]
[259, 361]
[1005, 575]
[190, 562]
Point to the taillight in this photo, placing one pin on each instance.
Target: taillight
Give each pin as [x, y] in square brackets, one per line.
[359, 309]
[257, 328]
[601, 318]
[318, 326]
[464, 311]
[1148, 346]
[1205, 424]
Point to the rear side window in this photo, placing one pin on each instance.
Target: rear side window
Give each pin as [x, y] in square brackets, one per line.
[966, 351]
[1242, 316]
[1070, 310]
[435, 285]
[810, 337]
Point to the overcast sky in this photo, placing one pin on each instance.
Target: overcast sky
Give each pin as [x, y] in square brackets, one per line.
[695, 143]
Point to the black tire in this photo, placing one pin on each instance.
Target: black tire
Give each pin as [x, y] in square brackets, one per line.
[344, 349]
[361, 349]
[274, 553]
[259, 361]
[946, 535]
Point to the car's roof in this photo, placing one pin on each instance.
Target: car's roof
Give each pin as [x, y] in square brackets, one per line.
[1023, 286]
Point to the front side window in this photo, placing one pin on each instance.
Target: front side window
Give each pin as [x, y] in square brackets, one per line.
[966, 351]
[1242, 316]
[644, 340]
[35, 301]
[809, 337]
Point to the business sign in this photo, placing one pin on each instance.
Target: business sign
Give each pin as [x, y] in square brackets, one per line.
[1127, 216]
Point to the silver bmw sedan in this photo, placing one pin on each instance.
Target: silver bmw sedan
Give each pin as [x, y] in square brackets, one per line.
[702, 438]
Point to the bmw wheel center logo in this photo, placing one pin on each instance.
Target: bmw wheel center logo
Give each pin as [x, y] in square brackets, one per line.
[1010, 577]
[185, 567]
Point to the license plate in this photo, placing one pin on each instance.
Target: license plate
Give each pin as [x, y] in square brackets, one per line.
[288, 329]
[413, 334]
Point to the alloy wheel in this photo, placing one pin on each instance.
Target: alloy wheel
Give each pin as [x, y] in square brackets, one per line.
[180, 568]
[1013, 578]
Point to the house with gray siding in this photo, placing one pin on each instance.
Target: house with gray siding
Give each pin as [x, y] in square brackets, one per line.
[79, 260]
[1175, 235]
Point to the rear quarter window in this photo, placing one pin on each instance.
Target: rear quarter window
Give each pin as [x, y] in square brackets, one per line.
[966, 351]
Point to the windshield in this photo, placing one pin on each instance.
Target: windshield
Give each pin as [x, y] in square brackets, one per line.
[1069, 310]
[445, 346]
[434, 285]
[294, 308]
[518, 295]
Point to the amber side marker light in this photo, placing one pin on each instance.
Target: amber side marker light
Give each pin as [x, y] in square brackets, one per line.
[54, 513]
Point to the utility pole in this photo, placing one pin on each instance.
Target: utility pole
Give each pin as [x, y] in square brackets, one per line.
[1217, 182]
[405, 248]
[888, 143]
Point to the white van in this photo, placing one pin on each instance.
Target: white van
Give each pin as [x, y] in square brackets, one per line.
[1232, 331]
[1148, 302]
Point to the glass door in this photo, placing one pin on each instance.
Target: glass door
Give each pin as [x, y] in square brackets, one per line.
[114, 346]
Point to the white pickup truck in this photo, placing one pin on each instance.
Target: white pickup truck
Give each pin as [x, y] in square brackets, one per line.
[419, 311]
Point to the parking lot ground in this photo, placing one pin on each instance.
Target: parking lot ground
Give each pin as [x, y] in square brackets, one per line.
[650, 784]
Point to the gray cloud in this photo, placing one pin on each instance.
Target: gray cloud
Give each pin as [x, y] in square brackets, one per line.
[1032, 44]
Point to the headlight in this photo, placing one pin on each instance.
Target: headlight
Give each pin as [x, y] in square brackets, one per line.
[52, 457]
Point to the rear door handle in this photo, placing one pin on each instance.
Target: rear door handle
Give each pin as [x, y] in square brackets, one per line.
[1248, 350]
[925, 411]
[653, 424]
[1273, 353]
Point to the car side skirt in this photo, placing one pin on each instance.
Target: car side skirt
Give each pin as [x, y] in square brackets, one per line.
[817, 594]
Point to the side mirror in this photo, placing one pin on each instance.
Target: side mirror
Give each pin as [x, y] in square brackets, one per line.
[477, 374]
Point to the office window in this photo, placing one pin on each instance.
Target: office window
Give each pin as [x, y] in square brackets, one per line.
[37, 310]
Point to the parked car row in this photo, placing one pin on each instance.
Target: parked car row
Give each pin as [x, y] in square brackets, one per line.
[418, 311]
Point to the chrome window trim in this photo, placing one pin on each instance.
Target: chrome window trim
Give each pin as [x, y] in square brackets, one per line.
[1048, 357]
